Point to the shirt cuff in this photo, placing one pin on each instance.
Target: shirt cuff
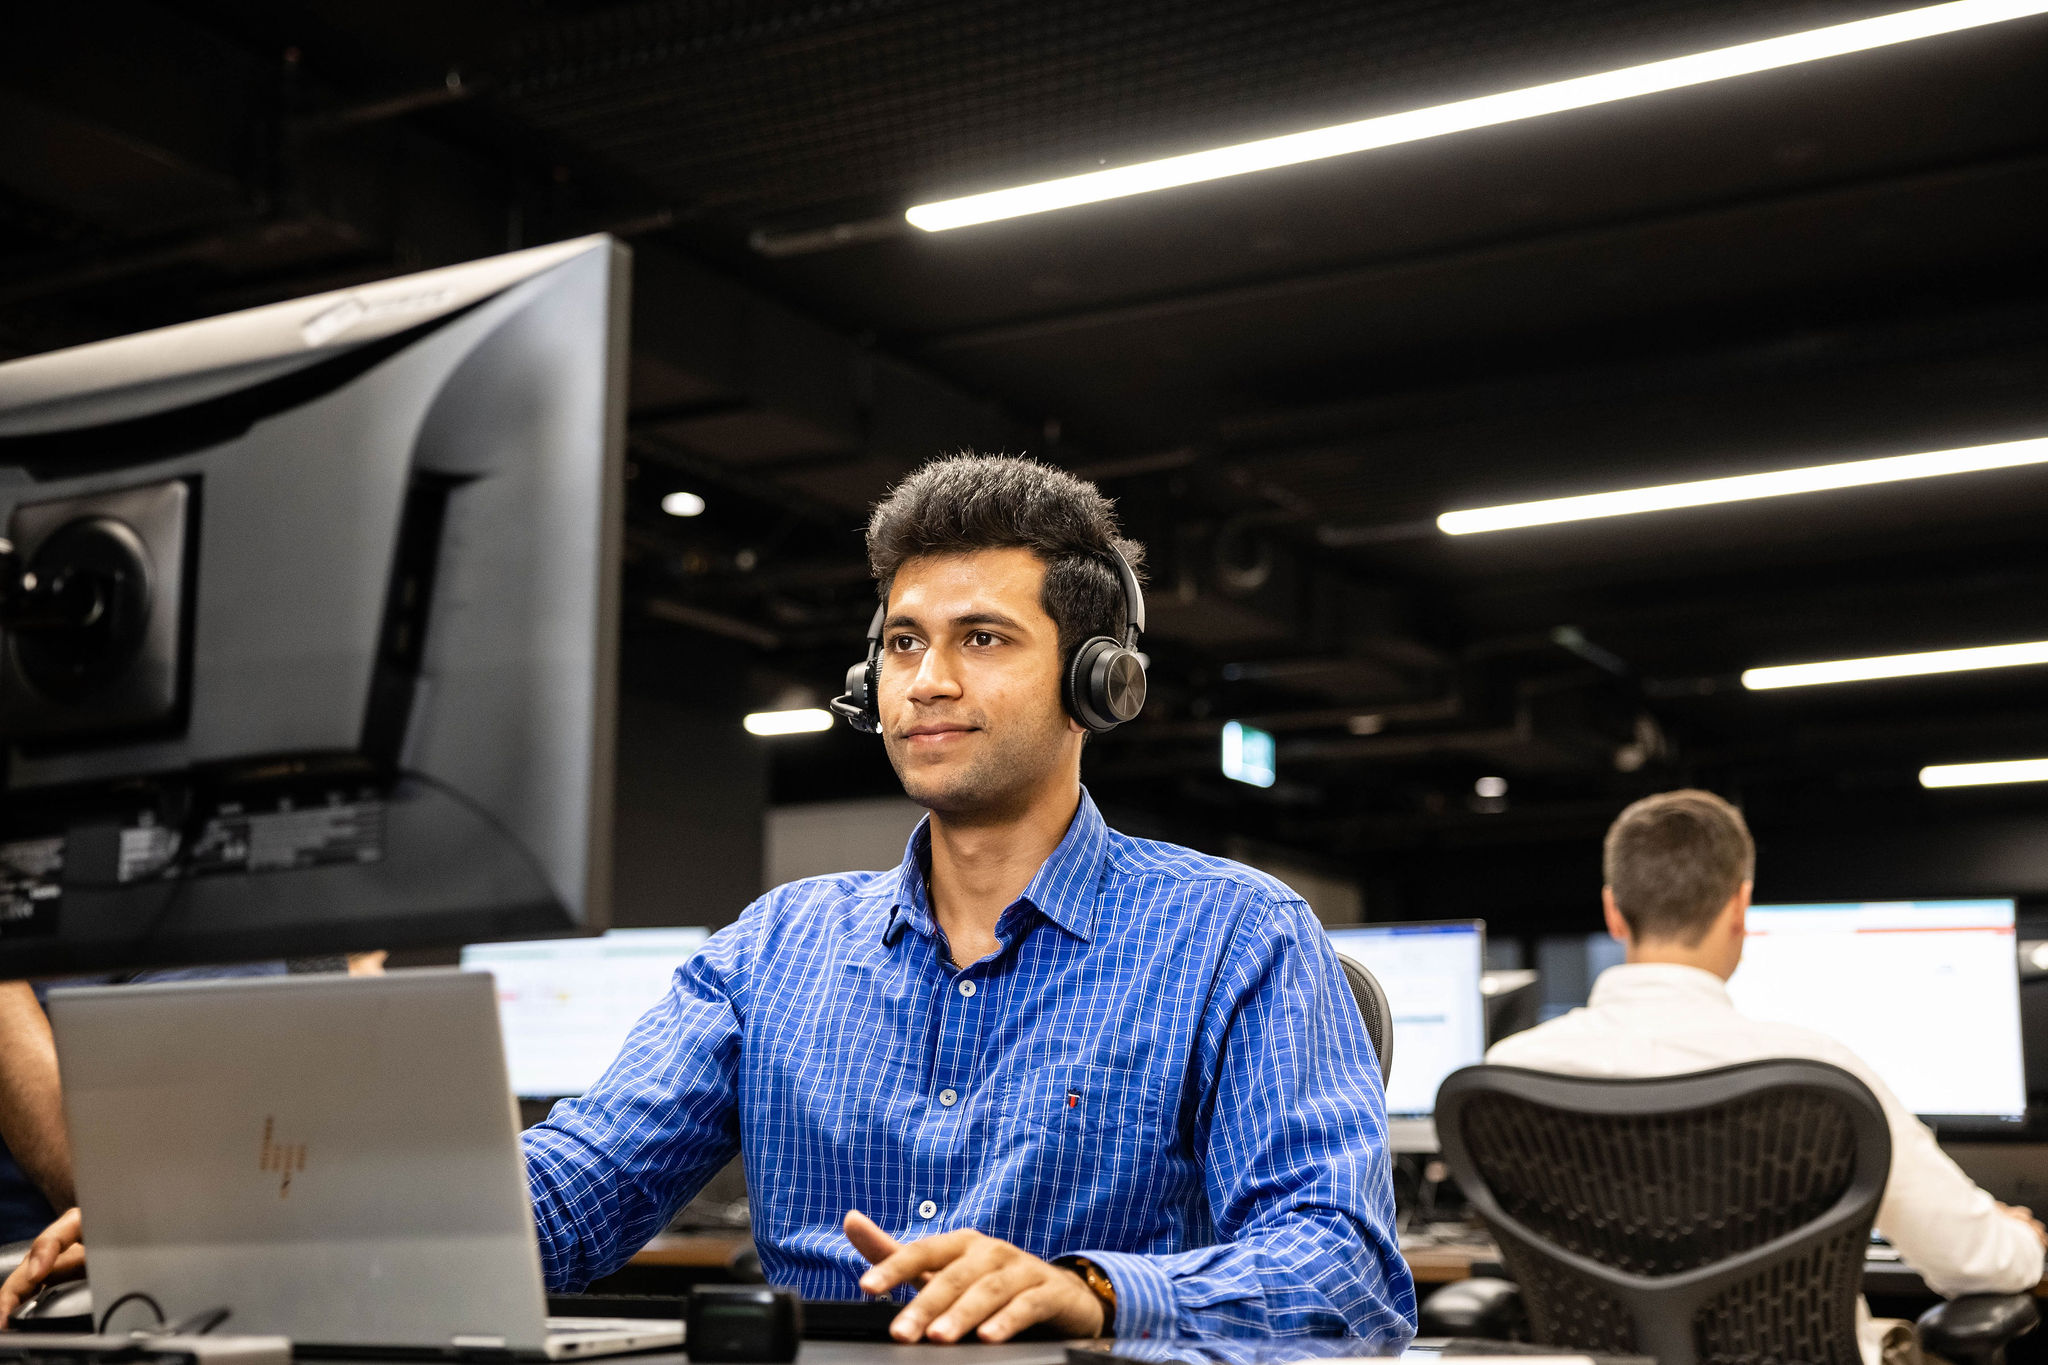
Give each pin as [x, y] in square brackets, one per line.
[1144, 1293]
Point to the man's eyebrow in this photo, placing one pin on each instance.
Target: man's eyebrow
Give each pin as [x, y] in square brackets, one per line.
[987, 618]
[905, 621]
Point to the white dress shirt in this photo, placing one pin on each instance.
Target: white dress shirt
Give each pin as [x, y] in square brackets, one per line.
[1662, 1019]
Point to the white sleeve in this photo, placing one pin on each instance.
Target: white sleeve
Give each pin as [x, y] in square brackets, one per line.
[1943, 1225]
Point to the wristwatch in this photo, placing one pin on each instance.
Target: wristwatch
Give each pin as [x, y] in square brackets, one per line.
[1098, 1284]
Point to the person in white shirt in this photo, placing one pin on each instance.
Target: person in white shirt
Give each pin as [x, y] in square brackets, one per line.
[1678, 869]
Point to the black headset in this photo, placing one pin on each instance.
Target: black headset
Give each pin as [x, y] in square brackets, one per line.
[1102, 686]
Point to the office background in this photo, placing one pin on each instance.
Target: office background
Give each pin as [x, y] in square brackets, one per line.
[1282, 378]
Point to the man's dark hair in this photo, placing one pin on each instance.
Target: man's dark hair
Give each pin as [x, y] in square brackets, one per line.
[965, 502]
[1673, 860]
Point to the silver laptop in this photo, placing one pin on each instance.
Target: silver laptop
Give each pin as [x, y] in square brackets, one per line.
[333, 1158]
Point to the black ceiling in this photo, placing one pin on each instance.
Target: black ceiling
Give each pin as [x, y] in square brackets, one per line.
[1284, 376]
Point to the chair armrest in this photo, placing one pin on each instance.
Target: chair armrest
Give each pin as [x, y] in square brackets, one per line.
[1487, 1308]
[1976, 1327]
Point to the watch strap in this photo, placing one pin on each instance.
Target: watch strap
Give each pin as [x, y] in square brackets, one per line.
[1098, 1282]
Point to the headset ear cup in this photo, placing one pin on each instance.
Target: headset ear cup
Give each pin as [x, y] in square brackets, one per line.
[1116, 685]
[1105, 684]
[1074, 682]
[871, 692]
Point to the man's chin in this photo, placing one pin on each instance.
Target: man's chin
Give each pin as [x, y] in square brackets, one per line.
[945, 787]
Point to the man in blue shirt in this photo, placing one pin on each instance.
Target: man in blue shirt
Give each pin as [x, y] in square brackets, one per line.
[1041, 1072]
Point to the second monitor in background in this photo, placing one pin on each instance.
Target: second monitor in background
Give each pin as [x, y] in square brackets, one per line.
[1431, 973]
[1925, 992]
[565, 1005]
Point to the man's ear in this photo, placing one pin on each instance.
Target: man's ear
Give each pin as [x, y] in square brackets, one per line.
[1617, 927]
[1738, 905]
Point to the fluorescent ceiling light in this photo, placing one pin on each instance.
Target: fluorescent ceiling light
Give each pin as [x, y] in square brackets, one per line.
[681, 504]
[1459, 116]
[1744, 487]
[800, 722]
[1896, 666]
[1984, 774]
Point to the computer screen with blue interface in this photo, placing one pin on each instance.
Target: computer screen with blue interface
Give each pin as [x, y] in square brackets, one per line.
[1925, 992]
[566, 1004]
[1431, 974]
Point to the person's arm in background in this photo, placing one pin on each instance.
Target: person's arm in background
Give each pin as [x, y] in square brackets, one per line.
[31, 1102]
[1960, 1239]
[608, 1170]
[1293, 1141]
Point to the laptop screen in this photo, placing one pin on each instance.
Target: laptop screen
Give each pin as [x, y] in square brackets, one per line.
[1925, 992]
[566, 1004]
[1431, 974]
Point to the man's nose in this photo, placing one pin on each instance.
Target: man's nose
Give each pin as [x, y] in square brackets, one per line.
[935, 679]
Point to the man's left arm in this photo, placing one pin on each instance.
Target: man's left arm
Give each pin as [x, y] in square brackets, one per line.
[1293, 1142]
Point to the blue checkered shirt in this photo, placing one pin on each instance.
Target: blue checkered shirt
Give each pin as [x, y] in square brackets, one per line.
[1160, 1067]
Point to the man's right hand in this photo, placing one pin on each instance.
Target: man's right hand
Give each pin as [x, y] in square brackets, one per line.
[2027, 1216]
[56, 1254]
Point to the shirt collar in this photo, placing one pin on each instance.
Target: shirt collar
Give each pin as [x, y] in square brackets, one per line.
[1636, 982]
[1063, 889]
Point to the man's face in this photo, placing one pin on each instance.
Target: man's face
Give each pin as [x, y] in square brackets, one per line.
[970, 688]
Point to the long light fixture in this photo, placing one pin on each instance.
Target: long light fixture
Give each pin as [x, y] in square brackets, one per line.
[1746, 487]
[1459, 116]
[1984, 774]
[804, 721]
[1896, 666]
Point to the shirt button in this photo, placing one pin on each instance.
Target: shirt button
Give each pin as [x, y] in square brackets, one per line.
[967, 989]
[948, 1098]
[927, 1209]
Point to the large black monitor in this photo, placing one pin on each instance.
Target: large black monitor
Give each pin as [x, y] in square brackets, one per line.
[310, 622]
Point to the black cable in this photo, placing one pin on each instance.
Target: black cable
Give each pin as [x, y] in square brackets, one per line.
[475, 808]
[135, 1294]
[179, 870]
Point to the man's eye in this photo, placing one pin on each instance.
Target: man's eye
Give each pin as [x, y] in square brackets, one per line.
[903, 643]
[981, 637]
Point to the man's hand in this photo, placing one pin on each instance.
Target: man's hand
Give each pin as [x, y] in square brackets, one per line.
[972, 1281]
[2026, 1216]
[55, 1254]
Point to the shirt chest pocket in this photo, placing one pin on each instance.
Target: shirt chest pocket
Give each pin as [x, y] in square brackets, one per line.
[1075, 1101]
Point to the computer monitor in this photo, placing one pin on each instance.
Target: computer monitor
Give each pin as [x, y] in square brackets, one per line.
[565, 1005]
[1431, 974]
[310, 619]
[1567, 965]
[1925, 992]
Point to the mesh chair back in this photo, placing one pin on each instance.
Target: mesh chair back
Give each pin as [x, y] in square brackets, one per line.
[1719, 1218]
[1372, 1007]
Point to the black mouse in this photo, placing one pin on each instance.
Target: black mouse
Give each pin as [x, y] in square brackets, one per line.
[65, 1306]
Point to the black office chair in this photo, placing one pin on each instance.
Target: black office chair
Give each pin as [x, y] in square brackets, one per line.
[1372, 1007]
[1706, 1219]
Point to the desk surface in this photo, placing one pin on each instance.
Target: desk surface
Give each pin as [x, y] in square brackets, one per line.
[690, 1249]
[868, 1353]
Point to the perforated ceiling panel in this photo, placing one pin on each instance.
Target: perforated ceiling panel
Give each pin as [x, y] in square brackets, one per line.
[790, 111]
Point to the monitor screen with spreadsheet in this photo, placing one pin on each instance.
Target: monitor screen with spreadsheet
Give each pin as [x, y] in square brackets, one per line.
[566, 1004]
[1925, 992]
[1431, 974]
